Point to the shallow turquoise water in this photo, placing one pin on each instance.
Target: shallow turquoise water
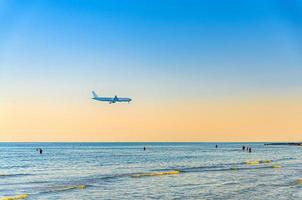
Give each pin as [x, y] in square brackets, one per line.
[106, 170]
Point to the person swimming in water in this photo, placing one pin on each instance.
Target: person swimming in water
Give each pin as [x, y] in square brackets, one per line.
[144, 148]
[216, 146]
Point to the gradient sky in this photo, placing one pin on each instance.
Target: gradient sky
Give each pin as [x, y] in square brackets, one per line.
[228, 70]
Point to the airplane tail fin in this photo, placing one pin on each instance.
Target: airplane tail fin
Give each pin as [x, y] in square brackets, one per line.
[94, 94]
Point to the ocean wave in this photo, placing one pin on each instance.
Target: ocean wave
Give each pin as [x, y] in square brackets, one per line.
[298, 181]
[13, 175]
[214, 168]
[284, 159]
[257, 162]
[174, 172]
[21, 196]
[64, 188]
[247, 165]
[276, 166]
[14, 166]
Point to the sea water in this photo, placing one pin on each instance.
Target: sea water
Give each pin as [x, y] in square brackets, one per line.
[162, 171]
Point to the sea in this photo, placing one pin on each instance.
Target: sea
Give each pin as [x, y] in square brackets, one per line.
[161, 171]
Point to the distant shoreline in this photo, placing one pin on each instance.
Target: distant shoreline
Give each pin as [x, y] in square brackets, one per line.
[286, 143]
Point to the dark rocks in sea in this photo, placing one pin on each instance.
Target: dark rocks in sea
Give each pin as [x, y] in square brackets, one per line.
[286, 143]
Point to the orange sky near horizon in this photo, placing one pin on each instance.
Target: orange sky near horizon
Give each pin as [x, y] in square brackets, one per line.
[230, 120]
[197, 71]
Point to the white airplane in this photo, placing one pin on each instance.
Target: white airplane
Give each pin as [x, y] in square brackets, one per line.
[115, 99]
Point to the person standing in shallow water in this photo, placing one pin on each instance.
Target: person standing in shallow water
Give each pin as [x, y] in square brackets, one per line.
[243, 148]
[250, 150]
[40, 151]
[144, 148]
[216, 146]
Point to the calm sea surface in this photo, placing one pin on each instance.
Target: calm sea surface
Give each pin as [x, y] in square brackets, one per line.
[163, 171]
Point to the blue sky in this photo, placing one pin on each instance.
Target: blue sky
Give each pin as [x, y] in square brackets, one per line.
[214, 70]
[150, 49]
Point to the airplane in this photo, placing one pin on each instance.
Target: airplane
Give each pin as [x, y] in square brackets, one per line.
[111, 100]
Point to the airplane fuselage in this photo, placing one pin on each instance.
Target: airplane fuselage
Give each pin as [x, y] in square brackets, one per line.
[110, 99]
